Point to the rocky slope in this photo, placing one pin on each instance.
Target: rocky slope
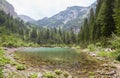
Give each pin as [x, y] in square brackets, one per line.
[72, 17]
[26, 18]
[7, 8]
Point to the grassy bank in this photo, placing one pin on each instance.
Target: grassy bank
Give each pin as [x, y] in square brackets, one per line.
[3, 61]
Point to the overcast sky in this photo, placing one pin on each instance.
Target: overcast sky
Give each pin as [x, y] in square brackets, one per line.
[38, 9]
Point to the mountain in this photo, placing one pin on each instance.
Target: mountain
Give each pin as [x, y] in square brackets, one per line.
[7, 8]
[72, 17]
[26, 18]
[64, 17]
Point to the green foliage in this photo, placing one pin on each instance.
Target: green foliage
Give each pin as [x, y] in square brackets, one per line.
[118, 57]
[98, 44]
[104, 54]
[115, 44]
[49, 75]
[34, 75]
[91, 47]
[117, 15]
[3, 61]
[1, 72]
[66, 74]
[91, 73]
[101, 24]
[58, 72]
[20, 67]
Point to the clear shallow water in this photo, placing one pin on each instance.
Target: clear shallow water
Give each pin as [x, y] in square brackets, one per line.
[55, 54]
[64, 57]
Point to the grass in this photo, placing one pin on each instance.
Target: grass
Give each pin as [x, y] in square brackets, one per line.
[3, 61]
[49, 75]
[20, 67]
[35, 75]
[1, 72]
[104, 54]
[91, 47]
[66, 74]
[58, 72]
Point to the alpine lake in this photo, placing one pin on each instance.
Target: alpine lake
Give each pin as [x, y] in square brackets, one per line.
[57, 58]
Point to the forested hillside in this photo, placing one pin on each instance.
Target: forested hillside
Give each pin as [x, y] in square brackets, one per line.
[32, 33]
[99, 26]
[47, 50]
[102, 23]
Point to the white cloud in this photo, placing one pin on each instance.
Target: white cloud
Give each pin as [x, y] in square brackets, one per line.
[45, 8]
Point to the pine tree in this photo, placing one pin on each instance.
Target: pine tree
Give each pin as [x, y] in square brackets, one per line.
[91, 23]
[117, 15]
[86, 30]
[105, 19]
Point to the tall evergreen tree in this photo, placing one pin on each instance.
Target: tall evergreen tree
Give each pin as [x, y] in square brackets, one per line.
[117, 15]
[91, 22]
[105, 18]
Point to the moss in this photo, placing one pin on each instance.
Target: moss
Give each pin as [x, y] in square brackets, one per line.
[20, 67]
[35, 75]
[58, 72]
[91, 73]
[66, 74]
[1, 72]
[49, 75]
[91, 47]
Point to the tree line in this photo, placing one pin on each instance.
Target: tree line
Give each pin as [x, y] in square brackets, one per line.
[102, 22]
[99, 26]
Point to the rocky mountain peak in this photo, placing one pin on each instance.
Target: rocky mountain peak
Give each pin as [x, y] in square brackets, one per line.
[7, 8]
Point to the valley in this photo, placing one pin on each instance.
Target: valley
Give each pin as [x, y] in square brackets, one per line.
[78, 42]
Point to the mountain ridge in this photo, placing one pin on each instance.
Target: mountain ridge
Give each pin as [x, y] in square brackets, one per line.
[71, 17]
[26, 18]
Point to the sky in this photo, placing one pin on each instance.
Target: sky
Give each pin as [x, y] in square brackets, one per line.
[37, 9]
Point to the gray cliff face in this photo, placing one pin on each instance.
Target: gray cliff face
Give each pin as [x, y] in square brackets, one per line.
[26, 18]
[62, 18]
[72, 17]
[7, 8]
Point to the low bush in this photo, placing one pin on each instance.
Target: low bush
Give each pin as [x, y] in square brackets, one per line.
[1, 72]
[35, 75]
[115, 44]
[91, 47]
[66, 74]
[20, 67]
[3, 61]
[49, 75]
[58, 72]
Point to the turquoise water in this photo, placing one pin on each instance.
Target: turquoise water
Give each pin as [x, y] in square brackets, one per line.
[56, 54]
[51, 56]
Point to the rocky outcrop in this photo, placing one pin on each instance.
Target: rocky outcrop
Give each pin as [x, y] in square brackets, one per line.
[7, 8]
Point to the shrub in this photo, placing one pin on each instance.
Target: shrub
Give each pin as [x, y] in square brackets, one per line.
[1, 73]
[66, 74]
[115, 44]
[20, 67]
[91, 47]
[49, 75]
[98, 44]
[105, 54]
[34, 75]
[58, 72]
